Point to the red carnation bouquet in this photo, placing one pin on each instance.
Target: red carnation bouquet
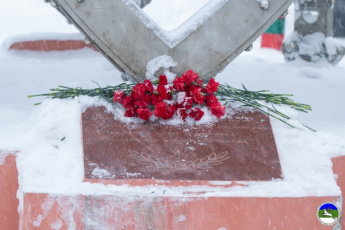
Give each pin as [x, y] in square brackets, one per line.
[184, 98]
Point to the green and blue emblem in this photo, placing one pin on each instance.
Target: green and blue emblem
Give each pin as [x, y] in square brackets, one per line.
[328, 213]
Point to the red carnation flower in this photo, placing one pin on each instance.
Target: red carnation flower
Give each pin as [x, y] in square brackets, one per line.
[188, 89]
[128, 102]
[119, 95]
[148, 86]
[197, 114]
[183, 101]
[163, 80]
[143, 103]
[170, 92]
[211, 100]
[212, 86]
[182, 112]
[164, 111]
[179, 84]
[190, 76]
[162, 92]
[196, 95]
[199, 81]
[170, 111]
[154, 99]
[187, 103]
[160, 109]
[218, 110]
[130, 112]
[138, 91]
[144, 114]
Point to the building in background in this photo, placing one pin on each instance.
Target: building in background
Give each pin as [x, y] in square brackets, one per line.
[339, 18]
[274, 35]
[312, 39]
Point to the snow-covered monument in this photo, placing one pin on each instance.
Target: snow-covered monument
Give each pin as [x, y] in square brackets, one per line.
[141, 170]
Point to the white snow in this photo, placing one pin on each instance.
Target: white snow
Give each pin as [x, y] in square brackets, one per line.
[100, 173]
[34, 16]
[57, 225]
[172, 38]
[171, 16]
[221, 182]
[47, 205]
[222, 228]
[3, 155]
[181, 218]
[35, 131]
[162, 63]
[310, 16]
[311, 46]
[335, 49]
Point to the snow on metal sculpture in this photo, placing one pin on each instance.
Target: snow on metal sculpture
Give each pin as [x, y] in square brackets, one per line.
[206, 43]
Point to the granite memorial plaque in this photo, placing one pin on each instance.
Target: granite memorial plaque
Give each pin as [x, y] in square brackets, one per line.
[232, 149]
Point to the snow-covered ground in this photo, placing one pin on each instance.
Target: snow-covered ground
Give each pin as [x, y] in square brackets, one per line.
[47, 164]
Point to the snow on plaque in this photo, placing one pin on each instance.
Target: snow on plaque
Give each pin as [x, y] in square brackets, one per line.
[233, 149]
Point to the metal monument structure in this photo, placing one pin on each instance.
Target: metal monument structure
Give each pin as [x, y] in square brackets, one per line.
[129, 39]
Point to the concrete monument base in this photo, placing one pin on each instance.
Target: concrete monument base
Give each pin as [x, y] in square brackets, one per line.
[166, 202]
[156, 210]
[170, 213]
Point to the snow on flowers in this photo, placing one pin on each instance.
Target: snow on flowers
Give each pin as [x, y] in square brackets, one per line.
[184, 97]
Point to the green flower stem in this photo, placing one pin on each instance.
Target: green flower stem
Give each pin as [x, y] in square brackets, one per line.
[107, 93]
[256, 99]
